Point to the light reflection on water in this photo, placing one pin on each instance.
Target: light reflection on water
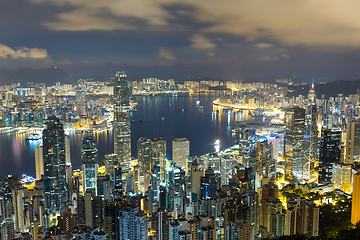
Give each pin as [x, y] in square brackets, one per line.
[161, 116]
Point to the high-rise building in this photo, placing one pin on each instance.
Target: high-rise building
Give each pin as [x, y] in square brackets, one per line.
[7, 229]
[329, 154]
[54, 164]
[342, 177]
[311, 139]
[39, 162]
[302, 217]
[355, 209]
[352, 150]
[124, 221]
[158, 155]
[208, 184]
[180, 152]
[295, 162]
[89, 210]
[89, 158]
[122, 119]
[145, 160]
[80, 103]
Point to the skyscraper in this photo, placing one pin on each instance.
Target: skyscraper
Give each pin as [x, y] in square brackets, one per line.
[311, 140]
[80, 103]
[180, 152]
[39, 162]
[54, 164]
[89, 158]
[329, 153]
[122, 119]
[294, 144]
[352, 153]
[158, 155]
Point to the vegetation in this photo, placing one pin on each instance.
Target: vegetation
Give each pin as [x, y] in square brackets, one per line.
[335, 219]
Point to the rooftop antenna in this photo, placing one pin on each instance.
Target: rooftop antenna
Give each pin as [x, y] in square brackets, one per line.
[312, 85]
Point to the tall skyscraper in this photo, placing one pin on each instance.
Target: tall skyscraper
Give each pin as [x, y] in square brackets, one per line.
[122, 119]
[311, 140]
[80, 103]
[180, 152]
[54, 164]
[352, 152]
[158, 155]
[294, 144]
[89, 158]
[39, 162]
[329, 154]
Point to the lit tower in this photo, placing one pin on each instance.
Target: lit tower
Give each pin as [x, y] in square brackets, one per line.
[89, 158]
[122, 119]
[180, 152]
[54, 164]
[294, 143]
[311, 139]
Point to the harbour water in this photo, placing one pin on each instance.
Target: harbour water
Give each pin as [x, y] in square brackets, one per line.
[167, 116]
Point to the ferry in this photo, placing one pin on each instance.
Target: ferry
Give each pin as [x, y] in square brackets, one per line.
[34, 137]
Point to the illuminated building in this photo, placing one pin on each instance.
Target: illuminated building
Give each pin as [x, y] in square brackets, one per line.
[67, 151]
[39, 162]
[302, 217]
[196, 174]
[342, 177]
[208, 184]
[114, 171]
[272, 216]
[89, 210]
[54, 164]
[180, 152]
[329, 154]
[80, 103]
[122, 119]
[355, 209]
[294, 144]
[158, 155]
[124, 221]
[66, 221]
[311, 140]
[144, 159]
[352, 153]
[89, 158]
[7, 229]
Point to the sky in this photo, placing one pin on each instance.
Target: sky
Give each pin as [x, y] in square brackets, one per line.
[231, 39]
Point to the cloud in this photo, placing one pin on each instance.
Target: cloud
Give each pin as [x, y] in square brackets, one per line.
[22, 52]
[108, 14]
[263, 45]
[199, 41]
[268, 58]
[85, 20]
[211, 54]
[309, 23]
[165, 53]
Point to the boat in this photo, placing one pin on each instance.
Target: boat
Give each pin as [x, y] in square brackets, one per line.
[34, 137]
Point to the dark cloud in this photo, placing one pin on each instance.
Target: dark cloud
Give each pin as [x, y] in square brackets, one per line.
[204, 38]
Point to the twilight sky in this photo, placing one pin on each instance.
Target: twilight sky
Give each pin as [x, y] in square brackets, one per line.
[173, 39]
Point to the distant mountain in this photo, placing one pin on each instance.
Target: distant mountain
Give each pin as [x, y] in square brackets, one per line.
[48, 75]
[331, 89]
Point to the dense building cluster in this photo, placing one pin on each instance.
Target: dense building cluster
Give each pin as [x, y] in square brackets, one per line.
[248, 191]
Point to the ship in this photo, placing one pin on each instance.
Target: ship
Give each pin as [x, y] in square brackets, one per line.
[34, 137]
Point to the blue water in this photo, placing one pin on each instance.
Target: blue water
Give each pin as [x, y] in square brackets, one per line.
[161, 116]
